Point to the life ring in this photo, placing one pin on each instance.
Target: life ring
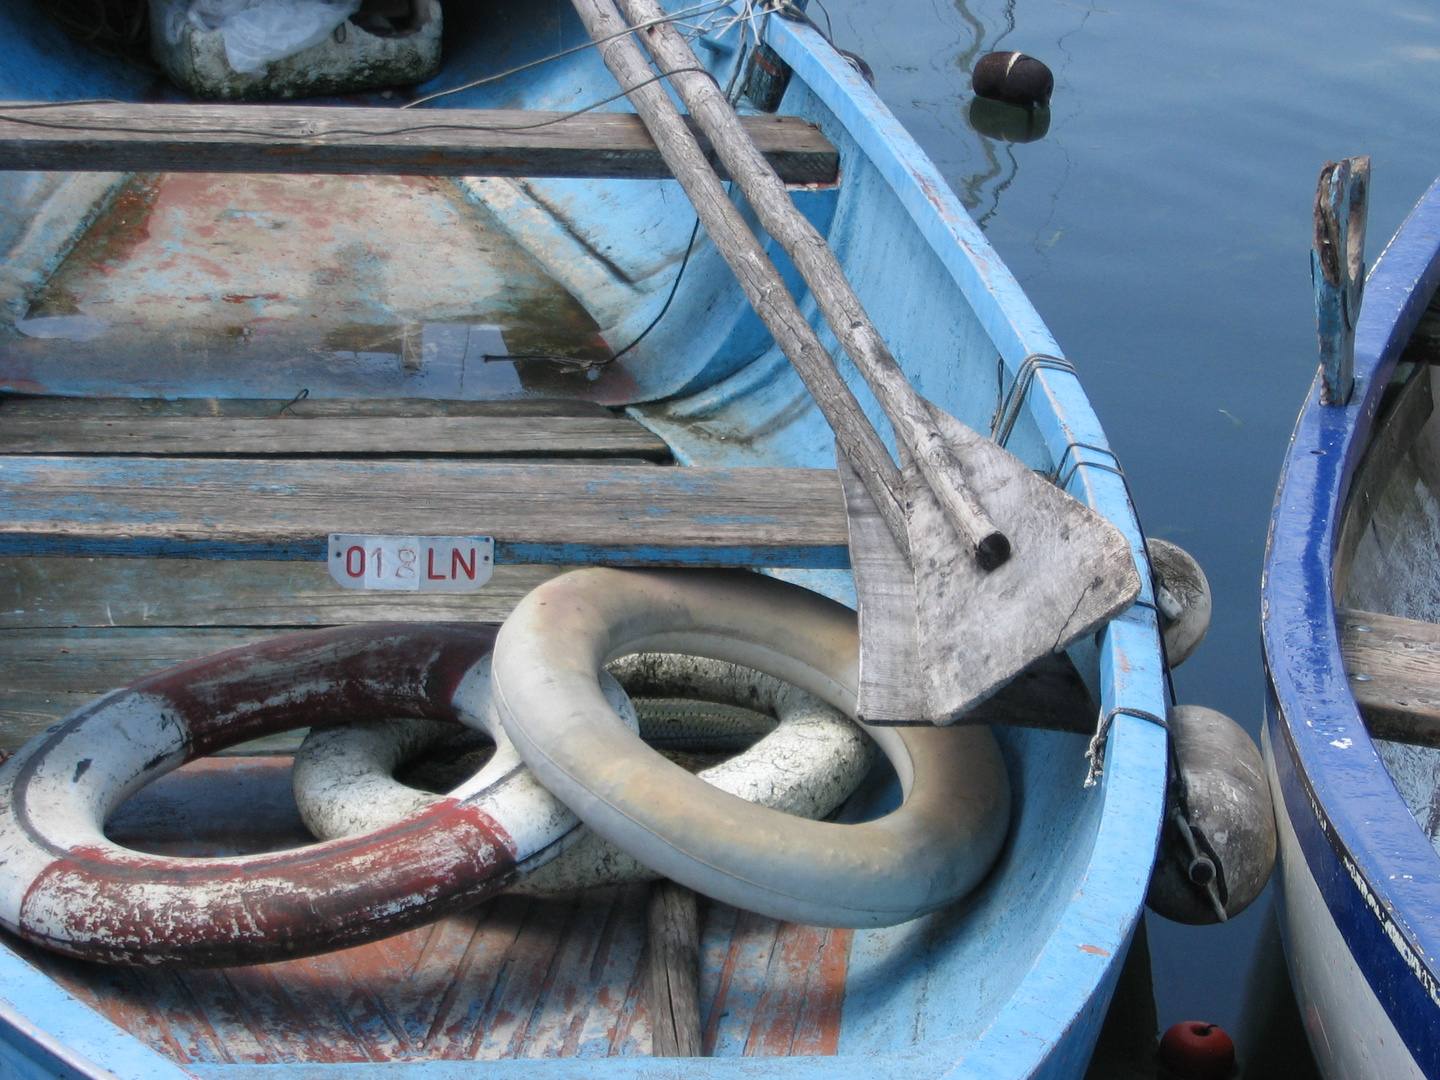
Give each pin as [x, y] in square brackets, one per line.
[809, 761]
[343, 774]
[67, 887]
[936, 846]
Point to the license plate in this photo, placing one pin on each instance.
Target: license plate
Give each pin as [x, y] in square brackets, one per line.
[412, 563]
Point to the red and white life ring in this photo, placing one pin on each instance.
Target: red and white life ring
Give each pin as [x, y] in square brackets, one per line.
[65, 886]
[931, 850]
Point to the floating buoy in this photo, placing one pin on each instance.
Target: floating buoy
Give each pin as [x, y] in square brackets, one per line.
[1218, 843]
[1196, 1051]
[1182, 597]
[1013, 78]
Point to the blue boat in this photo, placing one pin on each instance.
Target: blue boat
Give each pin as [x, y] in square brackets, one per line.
[159, 326]
[1349, 632]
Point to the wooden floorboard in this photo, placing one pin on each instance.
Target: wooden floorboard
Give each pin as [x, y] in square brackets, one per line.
[129, 137]
[58, 593]
[573, 514]
[347, 436]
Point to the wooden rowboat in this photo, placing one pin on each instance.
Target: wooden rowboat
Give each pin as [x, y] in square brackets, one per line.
[1352, 651]
[209, 373]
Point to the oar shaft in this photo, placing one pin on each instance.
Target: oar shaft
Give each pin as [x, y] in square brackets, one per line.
[823, 274]
[759, 279]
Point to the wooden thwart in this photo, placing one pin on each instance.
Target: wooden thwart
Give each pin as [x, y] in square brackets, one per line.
[285, 509]
[348, 436]
[1394, 669]
[123, 137]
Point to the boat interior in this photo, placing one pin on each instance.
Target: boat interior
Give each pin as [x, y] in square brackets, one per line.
[1387, 579]
[200, 322]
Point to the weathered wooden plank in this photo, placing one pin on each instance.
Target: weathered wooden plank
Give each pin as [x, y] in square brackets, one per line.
[126, 408]
[51, 592]
[118, 136]
[1396, 431]
[339, 436]
[1394, 669]
[674, 934]
[278, 509]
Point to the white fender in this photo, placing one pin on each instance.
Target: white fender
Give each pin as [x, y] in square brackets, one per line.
[930, 851]
[807, 764]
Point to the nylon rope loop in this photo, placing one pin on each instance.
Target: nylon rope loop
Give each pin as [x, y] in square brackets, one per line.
[1096, 751]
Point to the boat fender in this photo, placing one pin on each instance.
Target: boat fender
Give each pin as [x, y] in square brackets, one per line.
[931, 850]
[1182, 597]
[65, 886]
[1217, 846]
[1195, 1051]
[808, 761]
[1013, 78]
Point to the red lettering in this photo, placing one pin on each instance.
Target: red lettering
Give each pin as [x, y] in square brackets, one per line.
[430, 566]
[350, 567]
[457, 564]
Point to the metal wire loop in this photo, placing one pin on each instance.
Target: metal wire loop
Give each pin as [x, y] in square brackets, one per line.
[1007, 409]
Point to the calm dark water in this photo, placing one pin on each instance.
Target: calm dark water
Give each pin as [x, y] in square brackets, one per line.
[1162, 228]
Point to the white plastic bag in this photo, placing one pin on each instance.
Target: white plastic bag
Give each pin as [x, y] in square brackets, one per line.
[257, 32]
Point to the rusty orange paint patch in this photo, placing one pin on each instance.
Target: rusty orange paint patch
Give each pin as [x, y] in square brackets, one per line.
[1093, 950]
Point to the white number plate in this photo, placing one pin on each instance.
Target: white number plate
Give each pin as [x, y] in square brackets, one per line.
[412, 563]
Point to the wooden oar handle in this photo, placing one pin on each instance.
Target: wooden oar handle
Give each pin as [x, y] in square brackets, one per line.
[822, 272]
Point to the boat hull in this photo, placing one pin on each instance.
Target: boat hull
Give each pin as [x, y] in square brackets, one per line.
[1360, 880]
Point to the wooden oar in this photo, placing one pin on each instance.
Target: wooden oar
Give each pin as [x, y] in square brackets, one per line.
[938, 633]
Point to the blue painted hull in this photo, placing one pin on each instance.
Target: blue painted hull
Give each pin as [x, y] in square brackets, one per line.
[1360, 880]
[1014, 981]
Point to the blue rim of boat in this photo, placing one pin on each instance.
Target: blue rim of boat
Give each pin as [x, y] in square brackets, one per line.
[1047, 1027]
[1375, 868]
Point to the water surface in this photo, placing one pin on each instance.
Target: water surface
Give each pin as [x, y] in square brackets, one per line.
[1162, 227]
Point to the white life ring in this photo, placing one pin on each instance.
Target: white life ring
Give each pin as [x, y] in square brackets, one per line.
[809, 761]
[65, 886]
[933, 849]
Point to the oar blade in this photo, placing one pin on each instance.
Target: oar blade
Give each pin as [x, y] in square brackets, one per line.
[936, 645]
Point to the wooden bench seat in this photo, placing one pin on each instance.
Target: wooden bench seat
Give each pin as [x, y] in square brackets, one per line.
[247, 428]
[129, 137]
[1394, 669]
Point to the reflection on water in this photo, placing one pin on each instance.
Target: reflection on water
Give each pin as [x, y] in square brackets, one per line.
[1008, 123]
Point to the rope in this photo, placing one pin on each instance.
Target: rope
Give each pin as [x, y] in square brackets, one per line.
[1096, 751]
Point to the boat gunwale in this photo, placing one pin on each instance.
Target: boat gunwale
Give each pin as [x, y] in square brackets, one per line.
[1360, 841]
[1078, 955]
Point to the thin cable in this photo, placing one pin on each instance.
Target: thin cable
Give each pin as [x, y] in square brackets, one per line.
[558, 118]
[592, 364]
[698, 9]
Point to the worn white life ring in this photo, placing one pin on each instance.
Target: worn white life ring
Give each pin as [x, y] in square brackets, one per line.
[809, 762]
[65, 886]
[934, 848]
